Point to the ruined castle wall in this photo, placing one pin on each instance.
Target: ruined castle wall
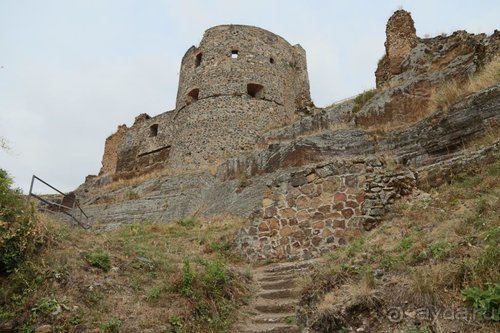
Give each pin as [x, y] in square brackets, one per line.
[401, 38]
[147, 143]
[239, 83]
[231, 56]
[214, 129]
[111, 151]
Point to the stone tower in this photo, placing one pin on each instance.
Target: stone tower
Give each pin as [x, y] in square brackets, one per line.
[401, 38]
[240, 82]
[237, 60]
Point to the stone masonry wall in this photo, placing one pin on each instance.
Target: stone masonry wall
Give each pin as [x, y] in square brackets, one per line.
[239, 83]
[401, 39]
[111, 151]
[231, 56]
[310, 211]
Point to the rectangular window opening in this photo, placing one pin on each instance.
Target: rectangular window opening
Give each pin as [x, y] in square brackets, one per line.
[255, 90]
[153, 130]
[197, 61]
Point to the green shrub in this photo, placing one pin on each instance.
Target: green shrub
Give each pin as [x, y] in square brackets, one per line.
[216, 277]
[154, 293]
[439, 249]
[188, 277]
[406, 243]
[222, 247]
[111, 326]
[487, 301]
[132, 195]
[47, 305]
[389, 262]
[362, 98]
[99, 258]
[177, 323]
[18, 230]
[188, 222]
[243, 181]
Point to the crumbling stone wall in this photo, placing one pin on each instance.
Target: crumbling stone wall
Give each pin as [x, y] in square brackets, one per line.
[240, 82]
[401, 38]
[412, 68]
[111, 151]
[309, 212]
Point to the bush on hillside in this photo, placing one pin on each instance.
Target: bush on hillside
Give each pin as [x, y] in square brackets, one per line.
[18, 234]
[362, 99]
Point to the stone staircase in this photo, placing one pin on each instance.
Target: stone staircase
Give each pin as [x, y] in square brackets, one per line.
[274, 300]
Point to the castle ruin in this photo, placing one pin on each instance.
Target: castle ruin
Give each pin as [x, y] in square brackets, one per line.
[240, 82]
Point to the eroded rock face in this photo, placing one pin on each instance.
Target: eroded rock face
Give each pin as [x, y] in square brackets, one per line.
[412, 67]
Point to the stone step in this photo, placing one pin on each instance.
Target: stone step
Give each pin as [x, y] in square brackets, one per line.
[288, 267]
[277, 294]
[282, 318]
[277, 277]
[284, 284]
[284, 305]
[269, 328]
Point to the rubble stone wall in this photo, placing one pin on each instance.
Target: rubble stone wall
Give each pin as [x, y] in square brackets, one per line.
[310, 211]
[111, 151]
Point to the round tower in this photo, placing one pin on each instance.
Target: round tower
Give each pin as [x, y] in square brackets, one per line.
[238, 83]
[237, 60]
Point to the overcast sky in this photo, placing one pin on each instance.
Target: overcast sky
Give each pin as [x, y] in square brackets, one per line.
[72, 70]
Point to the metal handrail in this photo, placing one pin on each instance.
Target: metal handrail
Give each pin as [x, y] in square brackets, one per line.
[62, 208]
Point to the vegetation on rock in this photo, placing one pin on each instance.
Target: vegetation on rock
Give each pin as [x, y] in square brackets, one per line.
[433, 251]
[452, 91]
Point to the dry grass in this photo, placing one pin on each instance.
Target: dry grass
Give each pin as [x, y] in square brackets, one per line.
[451, 91]
[491, 135]
[148, 286]
[430, 248]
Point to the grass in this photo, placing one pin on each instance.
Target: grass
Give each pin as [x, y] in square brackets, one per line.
[362, 99]
[486, 301]
[430, 253]
[98, 258]
[242, 181]
[135, 278]
[451, 91]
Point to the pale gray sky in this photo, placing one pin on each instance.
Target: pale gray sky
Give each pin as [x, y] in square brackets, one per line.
[72, 70]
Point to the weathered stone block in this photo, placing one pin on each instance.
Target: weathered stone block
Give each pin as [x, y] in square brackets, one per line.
[347, 212]
[302, 202]
[339, 197]
[286, 231]
[270, 211]
[274, 224]
[311, 177]
[298, 180]
[266, 202]
[331, 184]
[263, 227]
